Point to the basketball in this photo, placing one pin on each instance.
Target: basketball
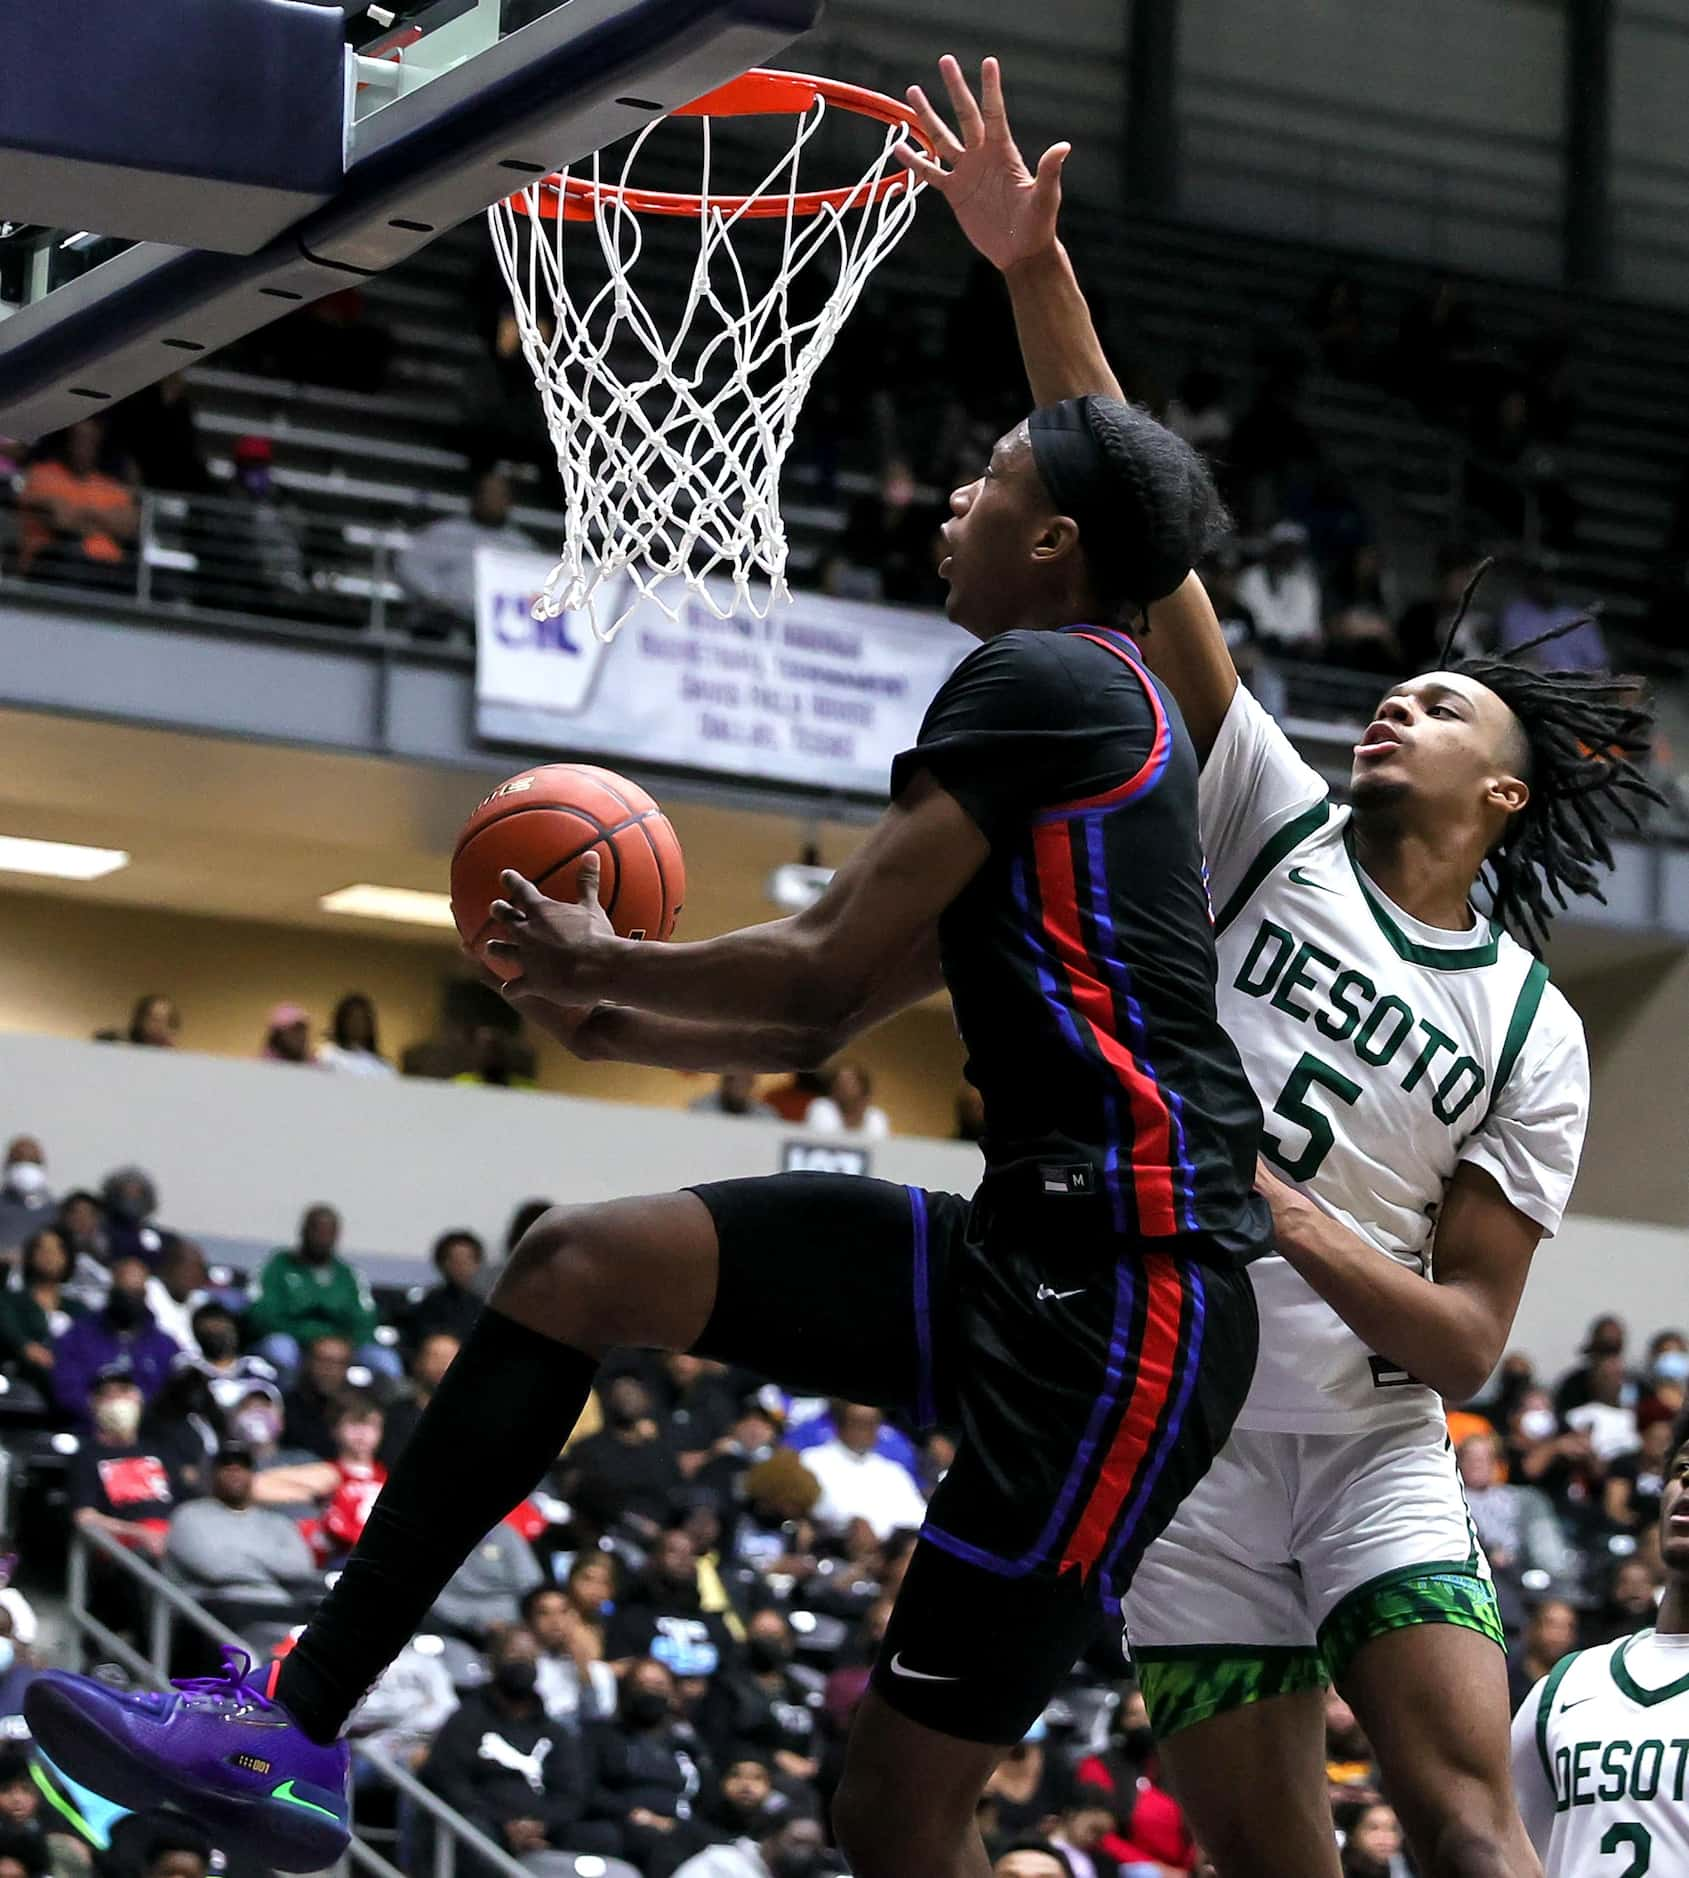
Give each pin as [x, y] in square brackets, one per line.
[543, 823]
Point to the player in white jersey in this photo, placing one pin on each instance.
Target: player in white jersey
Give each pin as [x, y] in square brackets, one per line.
[1424, 1090]
[1601, 1744]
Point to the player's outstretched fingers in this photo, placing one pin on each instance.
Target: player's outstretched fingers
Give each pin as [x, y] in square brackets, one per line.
[945, 142]
[962, 100]
[921, 167]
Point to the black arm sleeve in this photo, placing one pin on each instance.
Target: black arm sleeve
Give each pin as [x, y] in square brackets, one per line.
[1017, 728]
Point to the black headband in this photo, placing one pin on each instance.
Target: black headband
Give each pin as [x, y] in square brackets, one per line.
[1088, 481]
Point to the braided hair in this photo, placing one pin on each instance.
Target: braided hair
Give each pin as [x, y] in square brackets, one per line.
[1587, 737]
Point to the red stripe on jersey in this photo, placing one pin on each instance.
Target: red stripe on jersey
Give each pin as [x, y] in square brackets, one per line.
[1149, 773]
[1153, 1384]
[1151, 1148]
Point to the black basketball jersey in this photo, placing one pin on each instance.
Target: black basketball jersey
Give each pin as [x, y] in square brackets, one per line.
[1081, 956]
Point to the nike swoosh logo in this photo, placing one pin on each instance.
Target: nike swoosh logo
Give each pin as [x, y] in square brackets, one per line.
[916, 1675]
[1564, 1706]
[1299, 879]
[1044, 1292]
[285, 1792]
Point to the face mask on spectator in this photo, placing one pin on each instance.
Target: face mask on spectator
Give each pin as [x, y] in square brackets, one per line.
[219, 1342]
[765, 1652]
[26, 1179]
[257, 1426]
[118, 1416]
[645, 1707]
[515, 1679]
[1537, 1424]
[1672, 1366]
[124, 1311]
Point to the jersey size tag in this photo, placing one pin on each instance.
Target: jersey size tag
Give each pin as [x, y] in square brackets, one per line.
[1079, 1179]
[1387, 1375]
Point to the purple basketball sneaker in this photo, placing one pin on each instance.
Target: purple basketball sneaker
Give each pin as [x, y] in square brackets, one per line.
[219, 1748]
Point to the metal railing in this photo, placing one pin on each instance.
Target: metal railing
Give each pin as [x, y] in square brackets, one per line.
[165, 1604]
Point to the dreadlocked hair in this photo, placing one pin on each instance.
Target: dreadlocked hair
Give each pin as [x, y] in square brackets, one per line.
[1588, 734]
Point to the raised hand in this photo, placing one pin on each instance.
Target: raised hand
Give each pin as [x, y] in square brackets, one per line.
[1005, 209]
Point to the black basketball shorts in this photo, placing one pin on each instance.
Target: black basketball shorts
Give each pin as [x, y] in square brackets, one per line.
[1092, 1383]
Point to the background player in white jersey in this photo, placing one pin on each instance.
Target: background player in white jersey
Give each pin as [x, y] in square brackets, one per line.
[1601, 1744]
[1425, 1091]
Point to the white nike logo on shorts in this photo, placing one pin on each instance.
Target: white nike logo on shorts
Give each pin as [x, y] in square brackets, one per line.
[1044, 1292]
[916, 1675]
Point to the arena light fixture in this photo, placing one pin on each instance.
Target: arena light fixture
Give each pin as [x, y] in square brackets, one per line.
[58, 860]
[403, 904]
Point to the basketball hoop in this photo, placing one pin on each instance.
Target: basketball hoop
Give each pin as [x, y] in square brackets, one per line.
[671, 443]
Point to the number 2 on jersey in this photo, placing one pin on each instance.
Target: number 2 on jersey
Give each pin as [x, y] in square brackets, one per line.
[1632, 1838]
[1294, 1106]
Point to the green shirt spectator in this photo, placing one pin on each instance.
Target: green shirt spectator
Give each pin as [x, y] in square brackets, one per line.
[306, 1292]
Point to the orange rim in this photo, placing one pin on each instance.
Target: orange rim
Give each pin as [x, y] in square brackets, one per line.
[756, 93]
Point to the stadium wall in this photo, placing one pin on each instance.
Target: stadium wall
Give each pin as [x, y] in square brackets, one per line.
[239, 1149]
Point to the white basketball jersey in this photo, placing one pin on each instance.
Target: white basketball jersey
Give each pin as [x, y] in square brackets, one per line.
[1601, 1761]
[1384, 1052]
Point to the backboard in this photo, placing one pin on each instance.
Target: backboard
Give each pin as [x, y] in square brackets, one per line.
[449, 107]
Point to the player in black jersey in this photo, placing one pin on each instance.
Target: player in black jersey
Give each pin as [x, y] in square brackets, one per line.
[1086, 1321]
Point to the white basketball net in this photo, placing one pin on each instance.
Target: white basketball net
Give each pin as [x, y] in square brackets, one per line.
[671, 456]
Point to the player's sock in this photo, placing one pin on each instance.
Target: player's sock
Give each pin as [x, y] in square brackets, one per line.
[497, 1421]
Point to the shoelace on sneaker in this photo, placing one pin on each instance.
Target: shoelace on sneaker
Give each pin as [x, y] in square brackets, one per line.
[229, 1685]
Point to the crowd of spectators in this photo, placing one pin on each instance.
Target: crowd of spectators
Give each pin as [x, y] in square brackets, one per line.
[653, 1661]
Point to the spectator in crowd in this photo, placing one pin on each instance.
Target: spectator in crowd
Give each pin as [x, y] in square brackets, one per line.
[626, 1476]
[1423, 626]
[591, 1588]
[26, 1846]
[857, 1482]
[1631, 1600]
[437, 569]
[1539, 608]
[122, 1332]
[507, 1767]
[766, 1703]
[26, 1194]
[248, 1563]
[1551, 1632]
[34, 1313]
[1516, 1523]
[120, 1484]
[744, 1804]
[498, 1059]
[287, 1035]
[735, 1095]
[130, 1202]
[22, 1854]
[1635, 1481]
[1282, 593]
[1022, 1791]
[1372, 1841]
[306, 1292]
[1665, 1381]
[311, 1404]
[343, 1486]
[846, 1108]
[17, 1672]
[1031, 1858]
[260, 555]
[662, 1614]
[215, 1332]
[575, 1683]
[434, 1356]
[487, 1589]
[1126, 1778]
[78, 523]
[154, 1021]
[1608, 1417]
[177, 1289]
[82, 1226]
[1198, 411]
[796, 1848]
[1541, 1452]
[648, 1773]
[1606, 1337]
[409, 1705]
[154, 431]
[354, 1046]
[451, 1307]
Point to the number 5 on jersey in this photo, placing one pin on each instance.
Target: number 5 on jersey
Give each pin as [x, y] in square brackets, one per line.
[1294, 1106]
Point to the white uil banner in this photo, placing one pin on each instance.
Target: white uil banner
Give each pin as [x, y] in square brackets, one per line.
[822, 694]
